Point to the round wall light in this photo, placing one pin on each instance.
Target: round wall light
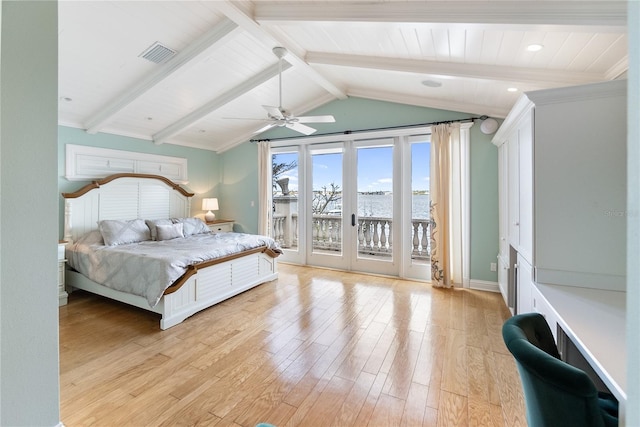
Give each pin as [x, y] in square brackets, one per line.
[489, 126]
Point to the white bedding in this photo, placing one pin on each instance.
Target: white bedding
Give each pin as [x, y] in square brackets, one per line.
[148, 268]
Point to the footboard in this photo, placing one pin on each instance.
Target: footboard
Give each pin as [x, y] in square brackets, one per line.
[207, 287]
[216, 283]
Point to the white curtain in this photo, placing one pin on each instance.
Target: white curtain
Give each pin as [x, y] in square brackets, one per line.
[449, 202]
[264, 188]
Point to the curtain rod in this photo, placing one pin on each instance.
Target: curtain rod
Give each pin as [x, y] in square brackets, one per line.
[350, 132]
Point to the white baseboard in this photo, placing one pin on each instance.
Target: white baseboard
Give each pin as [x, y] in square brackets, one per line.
[484, 285]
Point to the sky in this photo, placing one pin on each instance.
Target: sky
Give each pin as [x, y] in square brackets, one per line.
[374, 168]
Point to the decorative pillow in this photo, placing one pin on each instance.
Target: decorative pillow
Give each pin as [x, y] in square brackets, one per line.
[153, 223]
[168, 232]
[117, 232]
[192, 226]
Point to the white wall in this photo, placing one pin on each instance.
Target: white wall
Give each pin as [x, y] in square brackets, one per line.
[29, 368]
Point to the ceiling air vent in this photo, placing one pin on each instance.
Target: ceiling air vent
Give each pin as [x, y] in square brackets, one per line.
[158, 53]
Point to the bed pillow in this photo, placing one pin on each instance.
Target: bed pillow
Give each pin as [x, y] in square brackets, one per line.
[153, 223]
[168, 232]
[192, 226]
[118, 232]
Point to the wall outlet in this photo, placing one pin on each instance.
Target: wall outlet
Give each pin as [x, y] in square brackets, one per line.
[494, 266]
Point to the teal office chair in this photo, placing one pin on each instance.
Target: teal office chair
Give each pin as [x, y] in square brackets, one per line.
[555, 393]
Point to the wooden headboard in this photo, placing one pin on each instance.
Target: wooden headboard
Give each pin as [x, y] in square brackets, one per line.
[123, 196]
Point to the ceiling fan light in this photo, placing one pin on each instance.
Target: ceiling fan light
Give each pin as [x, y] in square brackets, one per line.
[279, 51]
[431, 83]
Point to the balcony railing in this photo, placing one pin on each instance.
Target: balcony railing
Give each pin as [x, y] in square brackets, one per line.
[375, 235]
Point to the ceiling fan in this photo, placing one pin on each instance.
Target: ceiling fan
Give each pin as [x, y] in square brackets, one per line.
[278, 116]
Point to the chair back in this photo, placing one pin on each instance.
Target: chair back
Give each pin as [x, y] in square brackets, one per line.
[556, 393]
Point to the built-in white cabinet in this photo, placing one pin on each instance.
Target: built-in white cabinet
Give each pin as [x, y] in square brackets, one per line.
[562, 159]
[539, 304]
[519, 185]
[86, 163]
[524, 284]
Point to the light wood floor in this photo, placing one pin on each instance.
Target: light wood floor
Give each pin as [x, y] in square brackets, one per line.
[313, 348]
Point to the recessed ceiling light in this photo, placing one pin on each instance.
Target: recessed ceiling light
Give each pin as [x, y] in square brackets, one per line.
[513, 89]
[431, 83]
[534, 47]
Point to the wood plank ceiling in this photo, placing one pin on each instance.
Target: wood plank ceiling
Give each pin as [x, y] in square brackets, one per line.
[224, 67]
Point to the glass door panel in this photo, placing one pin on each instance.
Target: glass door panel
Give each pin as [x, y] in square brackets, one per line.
[374, 205]
[420, 159]
[374, 201]
[416, 236]
[326, 203]
[285, 219]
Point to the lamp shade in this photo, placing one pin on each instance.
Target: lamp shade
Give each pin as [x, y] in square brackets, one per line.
[210, 204]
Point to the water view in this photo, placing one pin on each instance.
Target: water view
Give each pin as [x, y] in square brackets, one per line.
[380, 205]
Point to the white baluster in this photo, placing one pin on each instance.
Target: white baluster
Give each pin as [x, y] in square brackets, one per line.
[425, 238]
[390, 238]
[367, 235]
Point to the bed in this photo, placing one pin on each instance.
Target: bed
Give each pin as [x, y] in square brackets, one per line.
[211, 277]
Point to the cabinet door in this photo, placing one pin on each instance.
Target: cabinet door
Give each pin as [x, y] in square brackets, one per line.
[542, 306]
[525, 185]
[503, 278]
[524, 286]
[503, 220]
[513, 191]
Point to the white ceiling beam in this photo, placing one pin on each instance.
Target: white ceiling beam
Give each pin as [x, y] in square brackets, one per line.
[270, 40]
[563, 13]
[421, 101]
[456, 69]
[218, 33]
[162, 136]
[618, 69]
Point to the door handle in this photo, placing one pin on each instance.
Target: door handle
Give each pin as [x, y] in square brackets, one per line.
[353, 220]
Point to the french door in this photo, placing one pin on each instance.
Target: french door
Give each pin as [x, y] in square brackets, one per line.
[357, 205]
[350, 206]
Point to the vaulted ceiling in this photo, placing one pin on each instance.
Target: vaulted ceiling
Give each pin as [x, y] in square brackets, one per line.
[209, 94]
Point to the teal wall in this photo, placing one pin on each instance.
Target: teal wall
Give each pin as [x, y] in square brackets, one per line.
[240, 182]
[203, 166]
[29, 364]
[484, 205]
[239, 189]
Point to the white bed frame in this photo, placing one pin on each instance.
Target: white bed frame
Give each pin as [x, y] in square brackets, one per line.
[131, 196]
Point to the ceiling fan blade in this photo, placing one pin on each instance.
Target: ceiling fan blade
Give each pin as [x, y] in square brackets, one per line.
[273, 111]
[316, 119]
[265, 128]
[299, 127]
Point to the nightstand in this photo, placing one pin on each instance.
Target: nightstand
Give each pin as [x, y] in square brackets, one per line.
[62, 293]
[221, 225]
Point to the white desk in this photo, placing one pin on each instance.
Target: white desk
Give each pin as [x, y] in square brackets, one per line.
[595, 321]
